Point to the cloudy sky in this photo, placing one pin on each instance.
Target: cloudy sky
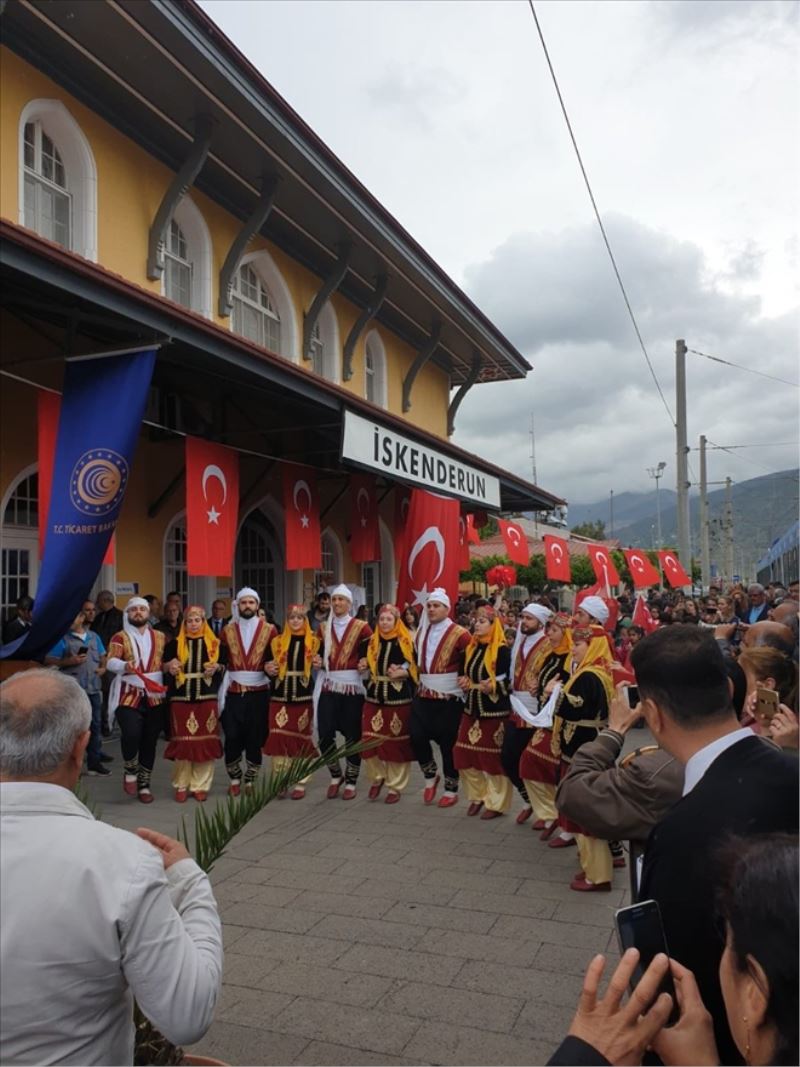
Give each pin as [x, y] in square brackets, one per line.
[686, 114]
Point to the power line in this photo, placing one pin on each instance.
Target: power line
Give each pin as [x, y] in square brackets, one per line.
[738, 366]
[752, 462]
[762, 444]
[597, 216]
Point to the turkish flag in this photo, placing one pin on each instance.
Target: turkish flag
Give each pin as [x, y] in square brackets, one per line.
[430, 558]
[609, 601]
[402, 500]
[642, 617]
[365, 534]
[673, 570]
[642, 570]
[463, 543]
[602, 565]
[301, 507]
[515, 541]
[556, 556]
[212, 507]
[473, 536]
[48, 413]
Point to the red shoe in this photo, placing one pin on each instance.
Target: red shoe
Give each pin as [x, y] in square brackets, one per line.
[129, 784]
[234, 789]
[145, 796]
[333, 789]
[349, 792]
[449, 800]
[375, 790]
[548, 831]
[559, 842]
[524, 815]
[580, 877]
[392, 798]
[181, 795]
[298, 792]
[540, 824]
[582, 886]
[491, 814]
[619, 861]
[200, 795]
[429, 795]
[474, 807]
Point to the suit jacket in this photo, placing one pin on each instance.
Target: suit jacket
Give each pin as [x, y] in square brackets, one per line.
[751, 788]
[89, 920]
[763, 615]
[575, 1052]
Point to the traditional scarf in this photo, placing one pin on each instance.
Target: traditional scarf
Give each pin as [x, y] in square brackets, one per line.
[494, 641]
[564, 621]
[207, 634]
[597, 661]
[310, 645]
[399, 632]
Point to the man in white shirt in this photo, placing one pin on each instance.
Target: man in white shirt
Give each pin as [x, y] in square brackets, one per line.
[92, 916]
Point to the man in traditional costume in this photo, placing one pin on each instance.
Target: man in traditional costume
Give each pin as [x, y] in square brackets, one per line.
[483, 721]
[387, 707]
[295, 654]
[581, 713]
[527, 655]
[136, 697]
[340, 691]
[538, 764]
[244, 693]
[438, 703]
[193, 670]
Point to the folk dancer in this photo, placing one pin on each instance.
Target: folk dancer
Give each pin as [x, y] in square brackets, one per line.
[339, 689]
[581, 714]
[527, 655]
[295, 656]
[483, 721]
[194, 673]
[438, 703]
[387, 707]
[136, 697]
[244, 693]
[538, 764]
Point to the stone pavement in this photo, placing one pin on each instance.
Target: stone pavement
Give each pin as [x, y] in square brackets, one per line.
[361, 933]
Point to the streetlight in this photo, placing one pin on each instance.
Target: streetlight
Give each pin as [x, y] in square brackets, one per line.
[657, 472]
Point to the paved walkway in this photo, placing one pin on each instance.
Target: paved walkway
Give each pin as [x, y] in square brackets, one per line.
[366, 933]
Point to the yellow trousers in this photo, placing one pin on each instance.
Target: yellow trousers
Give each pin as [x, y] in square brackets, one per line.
[283, 763]
[543, 800]
[395, 775]
[595, 858]
[196, 777]
[494, 791]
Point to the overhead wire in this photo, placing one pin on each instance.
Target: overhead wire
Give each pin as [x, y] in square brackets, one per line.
[739, 366]
[599, 219]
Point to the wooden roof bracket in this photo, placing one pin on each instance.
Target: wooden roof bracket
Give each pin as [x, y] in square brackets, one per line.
[369, 313]
[329, 286]
[259, 215]
[464, 388]
[423, 356]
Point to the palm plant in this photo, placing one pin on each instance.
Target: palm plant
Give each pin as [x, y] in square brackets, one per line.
[212, 835]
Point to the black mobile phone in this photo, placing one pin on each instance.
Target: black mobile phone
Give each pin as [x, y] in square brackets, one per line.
[82, 652]
[633, 695]
[639, 926]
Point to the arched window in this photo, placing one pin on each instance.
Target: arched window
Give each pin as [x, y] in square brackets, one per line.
[187, 259]
[58, 178]
[263, 311]
[317, 350]
[375, 370]
[19, 535]
[176, 575]
[177, 267]
[325, 353]
[330, 569]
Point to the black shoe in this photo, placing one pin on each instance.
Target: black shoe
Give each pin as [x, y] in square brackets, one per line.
[95, 769]
[105, 758]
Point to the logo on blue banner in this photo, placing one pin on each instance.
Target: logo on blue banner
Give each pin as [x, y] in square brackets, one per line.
[101, 412]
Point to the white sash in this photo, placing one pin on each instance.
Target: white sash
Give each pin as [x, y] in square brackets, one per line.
[115, 692]
[253, 679]
[333, 682]
[525, 705]
[545, 717]
[445, 685]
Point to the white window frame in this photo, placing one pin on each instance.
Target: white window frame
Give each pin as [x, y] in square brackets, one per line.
[328, 327]
[268, 313]
[198, 255]
[334, 546]
[198, 590]
[264, 265]
[79, 166]
[373, 344]
[42, 185]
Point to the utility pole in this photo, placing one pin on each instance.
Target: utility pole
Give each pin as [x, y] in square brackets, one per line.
[728, 531]
[682, 454]
[611, 514]
[705, 548]
[533, 473]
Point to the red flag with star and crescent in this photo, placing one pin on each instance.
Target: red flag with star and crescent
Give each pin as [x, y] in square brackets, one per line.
[603, 565]
[556, 556]
[473, 536]
[430, 556]
[365, 534]
[673, 570]
[515, 541]
[402, 500]
[212, 507]
[642, 570]
[463, 543]
[642, 617]
[301, 508]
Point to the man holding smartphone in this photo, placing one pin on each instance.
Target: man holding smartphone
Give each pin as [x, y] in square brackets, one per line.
[81, 654]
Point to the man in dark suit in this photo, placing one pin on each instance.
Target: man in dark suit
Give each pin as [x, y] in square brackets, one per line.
[757, 609]
[218, 619]
[734, 783]
[21, 622]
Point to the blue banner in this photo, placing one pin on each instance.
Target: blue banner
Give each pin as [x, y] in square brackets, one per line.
[101, 413]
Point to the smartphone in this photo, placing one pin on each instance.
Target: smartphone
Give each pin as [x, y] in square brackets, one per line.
[639, 926]
[766, 705]
[82, 651]
[633, 695]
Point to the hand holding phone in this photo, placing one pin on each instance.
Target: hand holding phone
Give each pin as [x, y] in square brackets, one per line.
[639, 926]
[766, 705]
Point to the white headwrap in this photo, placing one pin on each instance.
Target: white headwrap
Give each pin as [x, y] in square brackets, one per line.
[539, 611]
[247, 591]
[342, 590]
[594, 606]
[136, 602]
[136, 635]
[439, 596]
